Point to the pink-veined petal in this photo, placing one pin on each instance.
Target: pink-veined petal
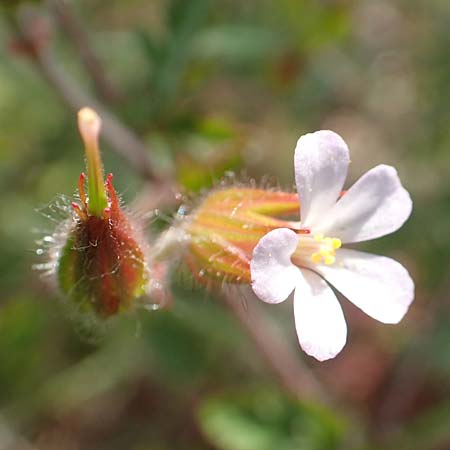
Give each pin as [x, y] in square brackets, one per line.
[376, 205]
[321, 161]
[379, 286]
[274, 276]
[319, 320]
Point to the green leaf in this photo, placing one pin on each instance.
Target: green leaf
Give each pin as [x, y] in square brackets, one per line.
[237, 44]
[266, 420]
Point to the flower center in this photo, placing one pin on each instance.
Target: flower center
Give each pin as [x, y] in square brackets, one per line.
[317, 249]
[327, 247]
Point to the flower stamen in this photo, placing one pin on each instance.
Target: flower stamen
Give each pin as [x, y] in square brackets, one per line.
[327, 249]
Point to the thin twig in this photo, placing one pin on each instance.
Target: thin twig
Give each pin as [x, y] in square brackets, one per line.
[74, 29]
[293, 375]
[121, 139]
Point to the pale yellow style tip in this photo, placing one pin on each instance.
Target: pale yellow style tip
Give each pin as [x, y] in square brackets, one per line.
[89, 124]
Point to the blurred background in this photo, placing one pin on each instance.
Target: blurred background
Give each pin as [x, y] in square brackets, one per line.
[205, 88]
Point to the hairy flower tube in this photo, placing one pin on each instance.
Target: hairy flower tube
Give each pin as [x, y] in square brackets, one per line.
[101, 265]
[309, 256]
[227, 225]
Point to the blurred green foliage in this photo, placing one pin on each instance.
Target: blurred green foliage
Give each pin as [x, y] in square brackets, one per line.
[264, 420]
[213, 86]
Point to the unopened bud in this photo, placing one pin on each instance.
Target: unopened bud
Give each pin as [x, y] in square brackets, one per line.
[101, 266]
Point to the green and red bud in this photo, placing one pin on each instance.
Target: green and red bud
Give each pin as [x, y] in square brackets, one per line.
[101, 266]
[226, 227]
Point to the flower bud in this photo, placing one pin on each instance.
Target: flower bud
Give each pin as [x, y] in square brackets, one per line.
[227, 225]
[101, 266]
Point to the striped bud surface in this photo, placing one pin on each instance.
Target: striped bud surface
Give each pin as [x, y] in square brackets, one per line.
[227, 225]
[101, 266]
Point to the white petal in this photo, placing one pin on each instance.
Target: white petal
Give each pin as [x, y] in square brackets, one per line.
[274, 276]
[380, 286]
[320, 323]
[376, 205]
[321, 161]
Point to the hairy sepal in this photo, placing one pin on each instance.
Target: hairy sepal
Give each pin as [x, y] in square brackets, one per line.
[102, 267]
[226, 226]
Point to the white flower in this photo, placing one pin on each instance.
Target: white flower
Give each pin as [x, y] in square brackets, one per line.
[307, 258]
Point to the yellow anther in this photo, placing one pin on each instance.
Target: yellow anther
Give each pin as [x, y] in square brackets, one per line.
[329, 259]
[336, 243]
[316, 258]
[325, 250]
